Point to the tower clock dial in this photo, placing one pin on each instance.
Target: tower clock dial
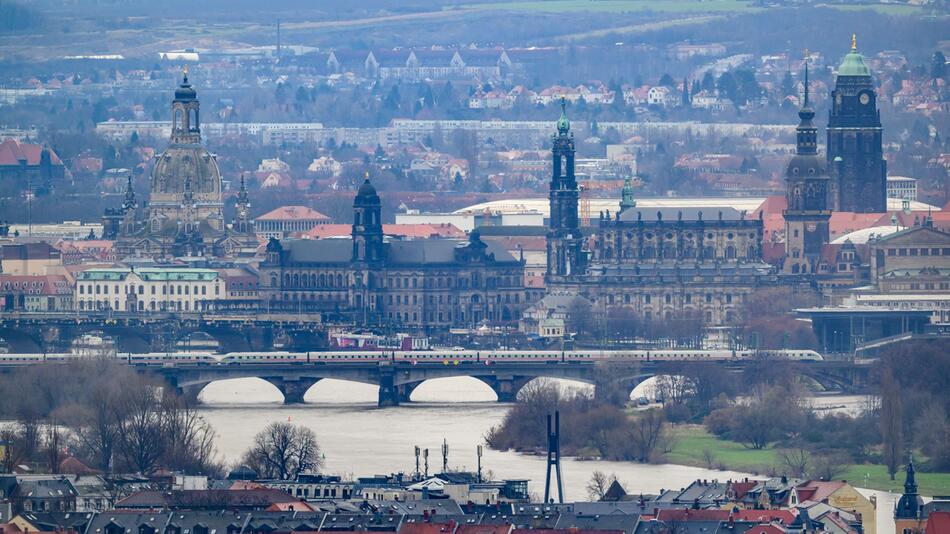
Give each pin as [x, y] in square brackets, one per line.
[864, 98]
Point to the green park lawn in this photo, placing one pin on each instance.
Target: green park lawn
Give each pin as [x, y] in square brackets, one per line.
[691, 442]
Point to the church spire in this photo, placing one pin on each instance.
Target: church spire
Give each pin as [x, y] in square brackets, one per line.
[130, 202]
[910, 483]
[806, 133]
[805, 100]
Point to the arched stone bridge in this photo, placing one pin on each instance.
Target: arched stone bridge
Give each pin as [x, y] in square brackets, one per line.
[397, 380]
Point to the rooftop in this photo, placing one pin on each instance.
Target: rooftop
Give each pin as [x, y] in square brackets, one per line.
[292, 213]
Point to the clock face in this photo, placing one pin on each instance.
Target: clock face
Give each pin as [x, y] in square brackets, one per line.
[838, 99]
[865, 98]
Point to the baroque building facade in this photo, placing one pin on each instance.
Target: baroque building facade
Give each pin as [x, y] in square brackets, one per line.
[660, 263]
[184, 215]
[855, 139]
[367, 278]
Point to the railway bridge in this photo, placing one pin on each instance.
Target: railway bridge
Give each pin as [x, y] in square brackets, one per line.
[398, 379]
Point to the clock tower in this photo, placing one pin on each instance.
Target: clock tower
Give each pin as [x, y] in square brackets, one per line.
[807, 185]
[855, 139]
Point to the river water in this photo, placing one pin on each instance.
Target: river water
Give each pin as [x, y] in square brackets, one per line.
[359, 439]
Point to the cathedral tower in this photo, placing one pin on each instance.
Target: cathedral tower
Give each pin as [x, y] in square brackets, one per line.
[806, 182]
[564, 239]
[855, 139]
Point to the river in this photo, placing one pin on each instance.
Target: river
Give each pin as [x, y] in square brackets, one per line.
[359, 439]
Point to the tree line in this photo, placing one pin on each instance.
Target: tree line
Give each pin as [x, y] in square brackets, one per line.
[106, 415]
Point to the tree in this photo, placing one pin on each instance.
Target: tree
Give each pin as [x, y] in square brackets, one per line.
[647, 433]
[284, 451]
[796, 462]
[788, 85]
[687, 100]
[938, 65]
[728, 87]
[891, 422]
[667, 81]
[598, 485]
[142, 439]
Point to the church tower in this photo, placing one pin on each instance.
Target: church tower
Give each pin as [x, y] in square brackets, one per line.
[806, 183]
[564, 239]
[186, 128]
[367, 225]
[855, 139]
[907, 512]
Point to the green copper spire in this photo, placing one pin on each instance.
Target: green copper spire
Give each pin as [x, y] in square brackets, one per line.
[854, 64]
[563, 125]
[626, 195]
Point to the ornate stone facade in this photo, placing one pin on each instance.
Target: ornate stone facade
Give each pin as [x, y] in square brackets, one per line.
[185, 211]
[661, 263]
[423, 284]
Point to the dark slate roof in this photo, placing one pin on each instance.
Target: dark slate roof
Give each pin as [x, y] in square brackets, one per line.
[624, 522]
[319, 250]
[412, 251]
[671, 215]
[197, 499]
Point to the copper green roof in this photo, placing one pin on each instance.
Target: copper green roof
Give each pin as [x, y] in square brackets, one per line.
[563, 125]
[854, 64]
[150, 273]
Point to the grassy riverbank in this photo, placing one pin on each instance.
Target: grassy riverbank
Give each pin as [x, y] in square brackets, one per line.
[690, 443]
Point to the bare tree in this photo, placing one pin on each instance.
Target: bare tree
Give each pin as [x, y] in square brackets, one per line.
[54, 446]
[142, 441]
[647, 434]
[283, 451]
[189, 439]
[598, 485]
[796, 461]
[13, 455]
[829, 467]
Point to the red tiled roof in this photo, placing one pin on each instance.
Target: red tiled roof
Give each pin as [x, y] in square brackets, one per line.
[765, 529]
[513, 243]
[938, 523]
[290, 507]
[12, 151]
[427, 528]
[52, 284]
[483, 529]
[818, 490]
[292, 213]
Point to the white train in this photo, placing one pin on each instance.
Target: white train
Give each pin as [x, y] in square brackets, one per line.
[444, 357]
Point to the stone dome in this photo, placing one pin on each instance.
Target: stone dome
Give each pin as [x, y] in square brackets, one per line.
[183, 168]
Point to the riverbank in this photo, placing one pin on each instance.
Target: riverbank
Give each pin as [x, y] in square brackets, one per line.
[691, 443]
